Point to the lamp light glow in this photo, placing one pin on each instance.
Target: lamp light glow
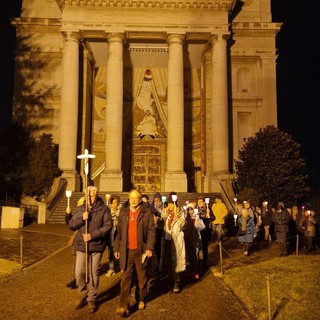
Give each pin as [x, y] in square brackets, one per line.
[68, 195]
[235, 216]
[108, 198]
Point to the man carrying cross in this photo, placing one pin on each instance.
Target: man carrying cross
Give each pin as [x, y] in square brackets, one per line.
[99, 223]
[93, 222]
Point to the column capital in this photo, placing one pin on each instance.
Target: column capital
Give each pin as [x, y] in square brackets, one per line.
[215, 37]
[176, 38]
[115, 37]
[72, 36]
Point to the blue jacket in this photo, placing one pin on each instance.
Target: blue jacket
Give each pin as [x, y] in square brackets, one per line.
[250, 231]
[99, 227]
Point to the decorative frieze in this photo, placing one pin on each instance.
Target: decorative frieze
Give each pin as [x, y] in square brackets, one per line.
[203, 5]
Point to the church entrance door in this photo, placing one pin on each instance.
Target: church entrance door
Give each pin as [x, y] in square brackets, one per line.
[148, 166]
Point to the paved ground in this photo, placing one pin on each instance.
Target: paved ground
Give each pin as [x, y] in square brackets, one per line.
[39, 291]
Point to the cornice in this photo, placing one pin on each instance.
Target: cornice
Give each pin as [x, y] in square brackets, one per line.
[36, 21]
[256, 25]
[173, 4]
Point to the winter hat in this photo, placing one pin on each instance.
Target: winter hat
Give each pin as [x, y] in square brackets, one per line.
[281, 204]
[157, 195]
[191, 205]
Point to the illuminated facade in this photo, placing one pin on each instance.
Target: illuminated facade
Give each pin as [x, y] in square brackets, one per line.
[162, 92]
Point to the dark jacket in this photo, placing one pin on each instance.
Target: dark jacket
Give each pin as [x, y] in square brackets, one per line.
[266, 215]
[146, 233]
[281, 220]
[99, 227]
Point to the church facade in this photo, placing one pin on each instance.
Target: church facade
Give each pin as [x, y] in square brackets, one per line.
[163, 93]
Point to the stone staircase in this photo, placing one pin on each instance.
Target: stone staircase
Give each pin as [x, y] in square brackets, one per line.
[59, 213]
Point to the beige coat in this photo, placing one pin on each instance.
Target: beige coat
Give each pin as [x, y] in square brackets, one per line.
[178, 251]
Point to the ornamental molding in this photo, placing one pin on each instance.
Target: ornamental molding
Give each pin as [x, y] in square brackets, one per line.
[204, 5]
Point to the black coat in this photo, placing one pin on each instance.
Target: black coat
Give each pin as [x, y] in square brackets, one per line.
[146, 233]
[281, 220]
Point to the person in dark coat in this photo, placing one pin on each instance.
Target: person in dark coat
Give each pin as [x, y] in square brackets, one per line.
[266, 215]
[308, 225]
[157, 207]
[93, 222]
[133, 245]
[192, 238]
[281, 218]
[208, 217]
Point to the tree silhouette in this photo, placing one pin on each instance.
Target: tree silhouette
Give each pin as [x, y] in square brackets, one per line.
[270, 163]
[42, 167]
[15, 143]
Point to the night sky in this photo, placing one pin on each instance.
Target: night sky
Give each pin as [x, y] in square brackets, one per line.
[297, 71]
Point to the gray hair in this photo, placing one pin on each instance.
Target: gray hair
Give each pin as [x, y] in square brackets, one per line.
[93, 188]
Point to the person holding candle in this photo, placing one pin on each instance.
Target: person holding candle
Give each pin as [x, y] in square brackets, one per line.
[220, 212]
[247, 231]
[247, 206]
[192, 238]
[73, 283]
[266, 214]
[207, 217]
[308, 226]
[173, 252]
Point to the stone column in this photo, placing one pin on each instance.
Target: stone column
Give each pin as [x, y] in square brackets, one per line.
[268, 113]
[69, 111]
[85, 130]
[219, 112]
[111, 178]
[175, 178]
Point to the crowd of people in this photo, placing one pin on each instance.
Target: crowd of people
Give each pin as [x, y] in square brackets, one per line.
[160, 238]
[281, 224]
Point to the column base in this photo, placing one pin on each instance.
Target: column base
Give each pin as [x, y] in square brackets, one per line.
[175, 181]
[73, 180]
[211, 182]
[111, 181]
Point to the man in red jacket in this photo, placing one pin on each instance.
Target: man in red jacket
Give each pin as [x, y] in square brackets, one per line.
[133, 245]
